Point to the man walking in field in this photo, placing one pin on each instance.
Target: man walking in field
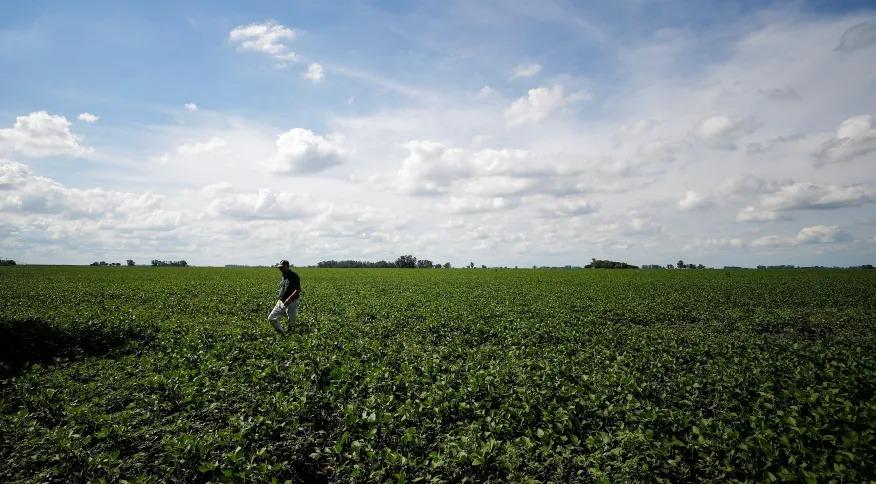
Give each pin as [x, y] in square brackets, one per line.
[290, 290]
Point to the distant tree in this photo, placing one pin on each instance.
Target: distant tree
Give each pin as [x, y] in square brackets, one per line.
[471, 265]
[606, 264]
[7, 262]
[424, 264]
[170, 263]
[406, 261]
[447, 265]
[670, 266]
[700, 266]
[483, 266]
[680, 264]
[130, 263]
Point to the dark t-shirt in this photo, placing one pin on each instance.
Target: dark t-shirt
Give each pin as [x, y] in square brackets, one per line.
[289, 282]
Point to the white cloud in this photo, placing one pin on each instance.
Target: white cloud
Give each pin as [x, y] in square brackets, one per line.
[815, 234]
[525, 71]
[753, 214]
[265, 204]
[460, 205]
[747, 185]
[213, 144]
[694, 201]
[216, 188]
[803, 196]
[268, 38]
[314, 72]
[540, 103]
[485, 91]
[821, 234]
[301, 151]
[23, 192]
[430, 167]
[855, 137]
[191, 107]
[568, 208]
[722, 132]
[633, 224]
[798, 196]
[715, 243]
[772, 241]
[88, 117]
[40, 134]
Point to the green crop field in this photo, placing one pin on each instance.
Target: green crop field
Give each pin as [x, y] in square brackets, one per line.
[159, 374]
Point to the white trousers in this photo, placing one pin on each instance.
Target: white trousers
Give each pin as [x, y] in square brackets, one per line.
[290, 311]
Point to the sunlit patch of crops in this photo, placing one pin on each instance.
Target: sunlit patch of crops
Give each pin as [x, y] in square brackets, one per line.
[438, 375]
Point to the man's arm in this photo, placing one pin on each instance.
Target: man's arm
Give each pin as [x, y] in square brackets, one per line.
[291, 297]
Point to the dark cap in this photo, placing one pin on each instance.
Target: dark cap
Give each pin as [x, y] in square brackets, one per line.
[282, 263]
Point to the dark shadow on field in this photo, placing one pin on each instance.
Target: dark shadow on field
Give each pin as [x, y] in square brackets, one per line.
[27, 341]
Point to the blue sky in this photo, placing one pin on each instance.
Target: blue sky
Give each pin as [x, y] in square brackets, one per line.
[503, 132]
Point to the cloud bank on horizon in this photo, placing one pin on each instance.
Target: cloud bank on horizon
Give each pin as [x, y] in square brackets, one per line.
[499, 133]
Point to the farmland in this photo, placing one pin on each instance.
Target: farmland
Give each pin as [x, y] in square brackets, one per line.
[438, 375]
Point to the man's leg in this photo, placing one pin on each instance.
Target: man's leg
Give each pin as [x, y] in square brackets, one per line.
[292, 312]
[275, 315]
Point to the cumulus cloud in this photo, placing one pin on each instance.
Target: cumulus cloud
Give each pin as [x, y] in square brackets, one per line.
[694, 201]
[805, 196]
[525, 70]
[722, 132]
[568, 208]
[815, 234]
[88, 117]
[742, 185]
[301, 151]
[633, 224]
[213, 144]
[430, 167]
[540, 103]
[754, 214]
[715, 243]
[191, 107]
[314, 72]
[41, 134]
[21, 191]
[855, 137]
[268, 38]
[265, 204]
[478, 204]
[857, 37]
[802, 196]
[485, 91]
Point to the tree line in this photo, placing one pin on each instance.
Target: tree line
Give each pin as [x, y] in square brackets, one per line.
[404, 261]
[169, 263]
